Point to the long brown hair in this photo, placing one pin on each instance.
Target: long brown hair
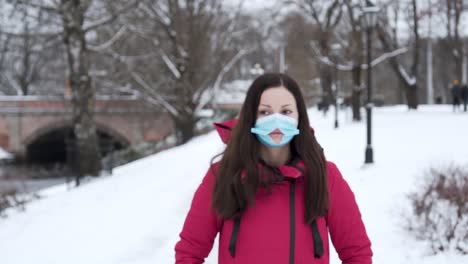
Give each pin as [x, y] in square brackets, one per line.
[233, 192]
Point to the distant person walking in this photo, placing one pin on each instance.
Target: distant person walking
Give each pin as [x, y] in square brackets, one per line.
[464, 96]
[456, 92]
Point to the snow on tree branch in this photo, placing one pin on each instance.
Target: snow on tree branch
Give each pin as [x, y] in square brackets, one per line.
[112, 17]
[159, 99]
[349, 66]
[110, 42]
[410, 80]
[42, 7]
[172, 67]
[157, 13]
[219, 78]
[386, 56]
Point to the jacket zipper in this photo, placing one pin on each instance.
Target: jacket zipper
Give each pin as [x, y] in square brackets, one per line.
[292, 219]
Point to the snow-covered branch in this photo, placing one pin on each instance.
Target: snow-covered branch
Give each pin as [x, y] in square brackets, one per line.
[112, 17]
[410, 80]
[386, 56]
[110, 42]
[35, 34]
[349, 66]
[341, 67]
[326, 60]
[154, 98]
[156, 13]
[219, 78]
[42, 7]
[172, 67]
[154, 95]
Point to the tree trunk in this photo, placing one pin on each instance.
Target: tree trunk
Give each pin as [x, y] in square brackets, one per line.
[185, 126]
[326, 83]
[412, 96]
[408, 78]
[356, 93]
[411, 90]
[83, 94]
[459, 67]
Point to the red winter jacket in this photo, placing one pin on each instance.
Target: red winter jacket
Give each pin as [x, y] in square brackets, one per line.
[273, 230]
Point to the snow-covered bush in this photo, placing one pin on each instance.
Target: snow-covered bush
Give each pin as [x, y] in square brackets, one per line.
[440, 210]
[12, 198]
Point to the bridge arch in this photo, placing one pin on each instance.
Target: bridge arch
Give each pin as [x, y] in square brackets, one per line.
[48, 144]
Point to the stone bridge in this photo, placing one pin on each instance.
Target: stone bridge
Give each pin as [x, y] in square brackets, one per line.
[37, 127]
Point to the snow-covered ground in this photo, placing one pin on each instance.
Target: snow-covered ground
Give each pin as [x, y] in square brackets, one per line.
[135, 215]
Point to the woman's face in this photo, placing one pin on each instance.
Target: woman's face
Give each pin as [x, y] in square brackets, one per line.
[277, 100]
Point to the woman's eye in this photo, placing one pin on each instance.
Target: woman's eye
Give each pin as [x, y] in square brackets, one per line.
[286, 112]
[263, 112]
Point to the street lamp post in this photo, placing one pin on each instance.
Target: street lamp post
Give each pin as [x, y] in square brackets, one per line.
[334, 52]
[335, 91]
[369, 20]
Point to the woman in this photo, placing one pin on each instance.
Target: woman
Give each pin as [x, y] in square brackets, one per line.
[273, 197]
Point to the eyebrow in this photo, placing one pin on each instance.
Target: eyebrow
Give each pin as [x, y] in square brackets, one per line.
[270, 105]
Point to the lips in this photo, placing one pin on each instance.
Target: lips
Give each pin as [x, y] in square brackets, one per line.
[276, 132]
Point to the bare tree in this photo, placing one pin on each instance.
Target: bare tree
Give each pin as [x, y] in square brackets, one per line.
[4, 43]
[389, 39]
[355, 48]
[73, 21]
[349, 46]
[184, 50]
[25, 58]
[28, 55]
[454, 42]
[326, 16]
[3, 50]
[297, 35]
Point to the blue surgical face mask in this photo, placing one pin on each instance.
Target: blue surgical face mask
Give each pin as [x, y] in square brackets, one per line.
[265, 125]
